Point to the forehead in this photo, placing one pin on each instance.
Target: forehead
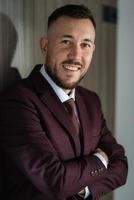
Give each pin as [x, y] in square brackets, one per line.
[68, 25]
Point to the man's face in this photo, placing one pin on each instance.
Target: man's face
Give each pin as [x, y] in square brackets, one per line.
[68, 50]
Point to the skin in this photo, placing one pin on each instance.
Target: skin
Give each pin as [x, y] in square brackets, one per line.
[68, 52]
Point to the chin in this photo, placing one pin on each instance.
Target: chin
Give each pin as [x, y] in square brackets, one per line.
[70, 85]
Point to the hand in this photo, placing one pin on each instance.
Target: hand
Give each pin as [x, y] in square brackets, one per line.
[82, 193]
[103, 154]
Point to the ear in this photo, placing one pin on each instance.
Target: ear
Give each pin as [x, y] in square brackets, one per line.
[43, 45]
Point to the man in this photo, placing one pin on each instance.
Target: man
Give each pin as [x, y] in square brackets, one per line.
[52, 153]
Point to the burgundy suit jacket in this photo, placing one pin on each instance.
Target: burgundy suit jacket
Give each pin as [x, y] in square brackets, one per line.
[46, 159]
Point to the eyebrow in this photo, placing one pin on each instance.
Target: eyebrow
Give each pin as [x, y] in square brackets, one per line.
[67, 36]
[71, 37]
[88, 40]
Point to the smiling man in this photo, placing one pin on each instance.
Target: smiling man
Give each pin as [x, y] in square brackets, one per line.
[53, 132]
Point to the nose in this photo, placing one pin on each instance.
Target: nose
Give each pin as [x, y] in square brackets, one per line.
[75, 52]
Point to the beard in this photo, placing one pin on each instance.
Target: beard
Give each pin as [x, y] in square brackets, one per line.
[61, 83]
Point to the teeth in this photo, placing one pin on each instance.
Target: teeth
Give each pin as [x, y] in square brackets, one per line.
[72, 67]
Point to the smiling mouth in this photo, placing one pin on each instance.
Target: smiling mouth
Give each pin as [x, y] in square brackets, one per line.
[71, 67]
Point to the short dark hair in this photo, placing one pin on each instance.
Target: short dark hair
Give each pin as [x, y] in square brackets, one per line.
[72, 10]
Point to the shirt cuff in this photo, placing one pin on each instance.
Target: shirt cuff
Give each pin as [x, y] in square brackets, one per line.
[102, 159]
[87, 192]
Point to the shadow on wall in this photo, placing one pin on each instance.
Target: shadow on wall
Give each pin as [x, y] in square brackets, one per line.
[9, 75]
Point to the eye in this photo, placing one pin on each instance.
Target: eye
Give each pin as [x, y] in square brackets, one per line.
[86, 45]
[66, 42]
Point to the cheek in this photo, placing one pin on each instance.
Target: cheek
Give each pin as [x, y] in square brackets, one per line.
[88, 58]
[57, 54]
[87, 62]
[60, 57]
[50, 57]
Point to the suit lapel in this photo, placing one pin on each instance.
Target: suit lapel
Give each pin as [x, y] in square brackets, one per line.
[50, 99]
[85, 122]
[57, 109]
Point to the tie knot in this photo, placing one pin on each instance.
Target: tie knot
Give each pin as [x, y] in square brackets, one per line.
[70, 105]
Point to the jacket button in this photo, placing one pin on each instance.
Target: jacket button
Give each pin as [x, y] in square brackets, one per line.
[101, 169]
[96, 171]
[92, 173]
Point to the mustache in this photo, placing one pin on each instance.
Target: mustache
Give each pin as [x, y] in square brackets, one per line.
[73, 62]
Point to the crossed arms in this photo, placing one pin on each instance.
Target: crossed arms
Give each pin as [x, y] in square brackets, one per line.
[31, 149]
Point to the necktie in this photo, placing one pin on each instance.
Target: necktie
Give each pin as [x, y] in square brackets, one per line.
[70, 105]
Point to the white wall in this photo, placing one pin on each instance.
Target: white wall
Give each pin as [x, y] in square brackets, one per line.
[124, 123]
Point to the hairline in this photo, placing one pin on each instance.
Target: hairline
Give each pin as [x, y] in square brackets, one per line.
[83, 12]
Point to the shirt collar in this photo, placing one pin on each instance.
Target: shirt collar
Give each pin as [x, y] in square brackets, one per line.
[58, 90]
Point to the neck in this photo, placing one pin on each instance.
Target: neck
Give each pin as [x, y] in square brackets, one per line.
[67, 91]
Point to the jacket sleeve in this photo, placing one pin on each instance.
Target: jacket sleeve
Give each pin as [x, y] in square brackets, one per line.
[117, 168]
